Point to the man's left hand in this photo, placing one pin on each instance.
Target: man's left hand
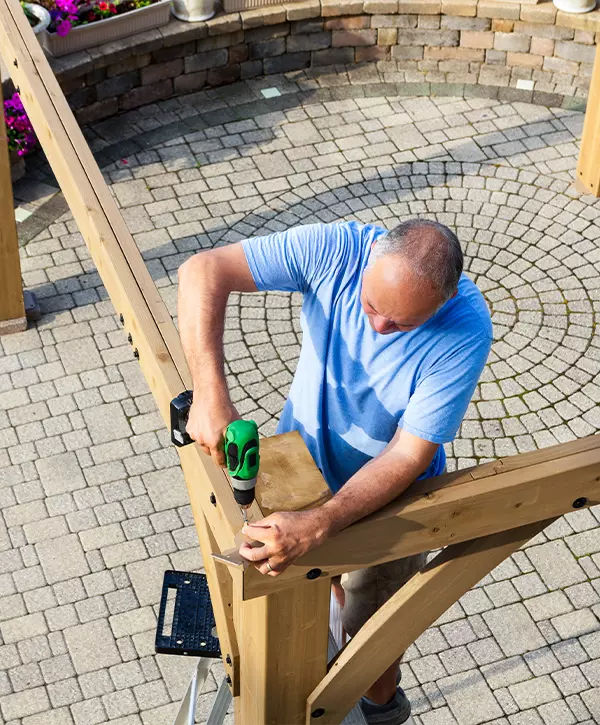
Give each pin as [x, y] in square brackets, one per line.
[285, 537]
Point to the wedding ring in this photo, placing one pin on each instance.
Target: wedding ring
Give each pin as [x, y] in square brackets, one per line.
[269, 567]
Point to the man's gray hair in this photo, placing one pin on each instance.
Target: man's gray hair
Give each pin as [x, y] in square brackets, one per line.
[430, 248]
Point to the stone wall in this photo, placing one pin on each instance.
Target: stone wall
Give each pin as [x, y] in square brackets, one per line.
[497, 44]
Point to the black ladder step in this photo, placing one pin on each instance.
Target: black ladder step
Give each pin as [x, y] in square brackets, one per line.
[186, 623]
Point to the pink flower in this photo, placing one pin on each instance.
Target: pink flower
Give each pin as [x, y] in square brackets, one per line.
[63, 28]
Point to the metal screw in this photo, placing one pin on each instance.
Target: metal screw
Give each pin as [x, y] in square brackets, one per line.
[213, 499]
[314, 574]
[319, 712]
[228, 680]
[16, 63]
[228, 660]
[136, 354]
[129, 338]
[121, 319]
[579, 503]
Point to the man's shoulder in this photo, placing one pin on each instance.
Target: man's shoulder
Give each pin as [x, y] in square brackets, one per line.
[470, 311]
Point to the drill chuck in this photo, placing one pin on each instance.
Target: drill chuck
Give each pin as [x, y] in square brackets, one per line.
[243, 491]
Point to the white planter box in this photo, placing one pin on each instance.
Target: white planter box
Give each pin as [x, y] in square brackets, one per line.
[105, 31]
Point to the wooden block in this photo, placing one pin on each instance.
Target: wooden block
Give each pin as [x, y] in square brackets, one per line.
[288, 479]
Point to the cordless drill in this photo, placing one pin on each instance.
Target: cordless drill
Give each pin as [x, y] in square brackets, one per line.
[240, 447]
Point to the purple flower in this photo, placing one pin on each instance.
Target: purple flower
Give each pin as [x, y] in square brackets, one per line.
[21, 136]
[63, 27]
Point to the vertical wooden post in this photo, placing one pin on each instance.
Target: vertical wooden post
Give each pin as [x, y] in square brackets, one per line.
[588, 166]
[283, 652]
[12, 306]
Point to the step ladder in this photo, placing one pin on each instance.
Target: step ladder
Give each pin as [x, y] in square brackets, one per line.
[186, 627]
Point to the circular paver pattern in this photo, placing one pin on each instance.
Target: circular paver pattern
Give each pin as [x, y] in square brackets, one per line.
[86, 466]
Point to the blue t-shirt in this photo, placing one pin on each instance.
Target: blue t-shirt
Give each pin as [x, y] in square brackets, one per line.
[353, 387]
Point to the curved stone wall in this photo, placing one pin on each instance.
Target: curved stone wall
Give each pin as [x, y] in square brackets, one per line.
[519, 52]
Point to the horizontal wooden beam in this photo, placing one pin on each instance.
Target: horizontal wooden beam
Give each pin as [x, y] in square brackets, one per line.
[456, 507]
[403, 618]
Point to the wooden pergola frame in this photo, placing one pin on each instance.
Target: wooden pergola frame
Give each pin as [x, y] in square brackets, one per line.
[273, 631]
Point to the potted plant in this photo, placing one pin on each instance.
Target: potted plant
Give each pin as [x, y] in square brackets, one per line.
[21, 136]
[77, 25]
[39, 18]
[575, 6]
[194, 11]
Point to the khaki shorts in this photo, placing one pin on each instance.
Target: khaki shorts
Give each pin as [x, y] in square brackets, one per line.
[368, 589]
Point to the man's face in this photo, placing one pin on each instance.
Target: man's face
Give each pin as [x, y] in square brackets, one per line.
[394, 299]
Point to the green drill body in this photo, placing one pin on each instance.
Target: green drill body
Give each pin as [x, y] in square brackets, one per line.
[242, 457]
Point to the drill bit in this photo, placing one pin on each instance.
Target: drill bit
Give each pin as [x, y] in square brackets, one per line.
[245, 515]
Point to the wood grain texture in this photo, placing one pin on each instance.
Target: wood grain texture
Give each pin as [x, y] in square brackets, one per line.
[289, 479]
[588, 166]
[401, 620]
[220, 584]
[456, 507]
[283, 652]
[12, 306]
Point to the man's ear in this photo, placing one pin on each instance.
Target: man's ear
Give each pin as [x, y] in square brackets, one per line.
[454, 293]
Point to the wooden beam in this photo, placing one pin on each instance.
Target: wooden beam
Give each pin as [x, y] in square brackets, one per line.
[220, 584]
[456, 507]
[12, 306]
[402, 619]
[283, 652]
[588, 166]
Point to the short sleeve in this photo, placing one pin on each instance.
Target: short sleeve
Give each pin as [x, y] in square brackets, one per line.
[297, 259]
[436, 408]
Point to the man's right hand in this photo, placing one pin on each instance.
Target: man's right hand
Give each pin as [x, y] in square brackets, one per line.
[207, 422]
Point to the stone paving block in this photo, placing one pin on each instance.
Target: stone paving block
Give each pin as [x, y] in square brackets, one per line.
[19, 628]
[576, 624]
[514, 629]
[91, 646]
[146, 578]
[62, 558]
[548, 605]
[166, 488]
[107, 423]
[60, 473]
[470, 699]
[556, 565]
[505, 673]
[22, 704]
[60, 716]
[591, 699]
[79, 355]
[534, 693]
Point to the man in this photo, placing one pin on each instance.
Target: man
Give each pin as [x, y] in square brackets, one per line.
[394, 340]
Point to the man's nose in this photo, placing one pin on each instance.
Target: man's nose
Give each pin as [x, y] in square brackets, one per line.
[382, 324]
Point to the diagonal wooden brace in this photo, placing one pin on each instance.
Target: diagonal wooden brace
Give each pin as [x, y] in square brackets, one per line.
[401, 620]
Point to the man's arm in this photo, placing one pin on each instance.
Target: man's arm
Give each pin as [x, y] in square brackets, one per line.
[205, 283]
[286, 536]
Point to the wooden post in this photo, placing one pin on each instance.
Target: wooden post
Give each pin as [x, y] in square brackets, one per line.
[403, 618]
[283, 652]
[588, 166]
[12, 306]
